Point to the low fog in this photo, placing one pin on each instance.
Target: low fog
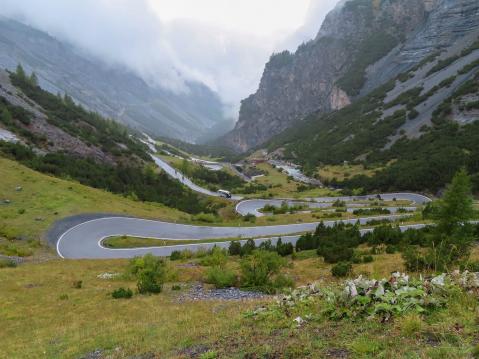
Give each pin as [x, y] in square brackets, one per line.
[170, 52]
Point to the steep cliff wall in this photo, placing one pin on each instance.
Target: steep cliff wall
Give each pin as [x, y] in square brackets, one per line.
[361, 45]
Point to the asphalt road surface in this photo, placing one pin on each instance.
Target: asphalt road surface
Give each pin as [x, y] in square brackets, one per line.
[253, 206]
[84, 241]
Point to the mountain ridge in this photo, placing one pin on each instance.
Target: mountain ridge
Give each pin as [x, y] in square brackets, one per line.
[356, 51]
[111, 90]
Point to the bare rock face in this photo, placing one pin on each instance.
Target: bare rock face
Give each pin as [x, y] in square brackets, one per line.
[338, 99]
[58, 139]
[361, 45]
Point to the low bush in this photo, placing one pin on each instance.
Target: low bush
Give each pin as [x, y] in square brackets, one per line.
[260, 269]
[122, 293]
[248, 247]
[217, 257]
[205, 217]
[150, 272]
[7, 263]
[221, 277]
[341, 269]
[368, 259]
[234, 249]
[175, 255]
[284, 249]
[249, 218]
[181, 255]
[77, 284]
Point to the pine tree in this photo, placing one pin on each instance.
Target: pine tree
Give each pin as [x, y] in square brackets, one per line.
[456, 207]
[454, 234]
[6, 116]
[33, 79]
[21, 72]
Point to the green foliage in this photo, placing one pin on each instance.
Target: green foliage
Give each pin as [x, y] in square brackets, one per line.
[371, 211]
[217, 258]
[249, 218]
[283, 209]
[284, 249]
[456, 207]
[150, 272]
[259, 269]
[341, 269]
[144, 182]
[234, 248]
[221, 277]
[371, 49]
[248, 247]
[122, 293]
[212, 179]
[279, 60]
[205, 217]
[7, 263]
[368, 259]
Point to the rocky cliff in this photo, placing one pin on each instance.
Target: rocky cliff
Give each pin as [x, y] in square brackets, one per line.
[361, 45]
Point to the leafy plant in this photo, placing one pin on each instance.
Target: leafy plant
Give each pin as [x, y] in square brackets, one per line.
[122, 293]
[341, 269]
[259, 269]
[221, 277]
[150, 273]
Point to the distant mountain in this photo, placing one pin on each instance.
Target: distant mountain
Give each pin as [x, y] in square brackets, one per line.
[362, 45]
[111, 90]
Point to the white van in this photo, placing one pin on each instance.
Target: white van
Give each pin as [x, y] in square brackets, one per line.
[224, 193]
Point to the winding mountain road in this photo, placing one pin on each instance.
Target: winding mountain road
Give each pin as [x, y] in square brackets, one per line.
[81, 237]
[84, 241]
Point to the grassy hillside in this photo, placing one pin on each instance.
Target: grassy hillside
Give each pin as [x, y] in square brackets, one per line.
[44, 315]
[44, 199]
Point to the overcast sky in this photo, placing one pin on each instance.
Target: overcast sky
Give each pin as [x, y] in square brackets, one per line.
[222, 43]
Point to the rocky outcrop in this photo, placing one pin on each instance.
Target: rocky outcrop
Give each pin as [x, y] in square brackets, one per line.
[58, 139]
[338, 99]
[361, 45]
[295, 85]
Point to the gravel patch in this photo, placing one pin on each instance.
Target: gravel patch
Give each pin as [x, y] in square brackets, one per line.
[198, 292]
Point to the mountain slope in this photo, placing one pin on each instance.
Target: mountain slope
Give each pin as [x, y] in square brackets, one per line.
[362, 44]
[110, 90]
[58, 137]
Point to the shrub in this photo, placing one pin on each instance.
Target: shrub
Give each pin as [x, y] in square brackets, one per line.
[258, 269]
[218, 257]
[341, 269]
[175, 255]
[249, 218]
[368, 259]
[7, 263]
[283, 281]
[180, 255]
[267, 246]
[205, 217]
[235, 248]
[248, 247]
[150, 272]
[220, 277]
[122, 293]
[176, 287]
[77, 284]
[390, 249]
[284, 249]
